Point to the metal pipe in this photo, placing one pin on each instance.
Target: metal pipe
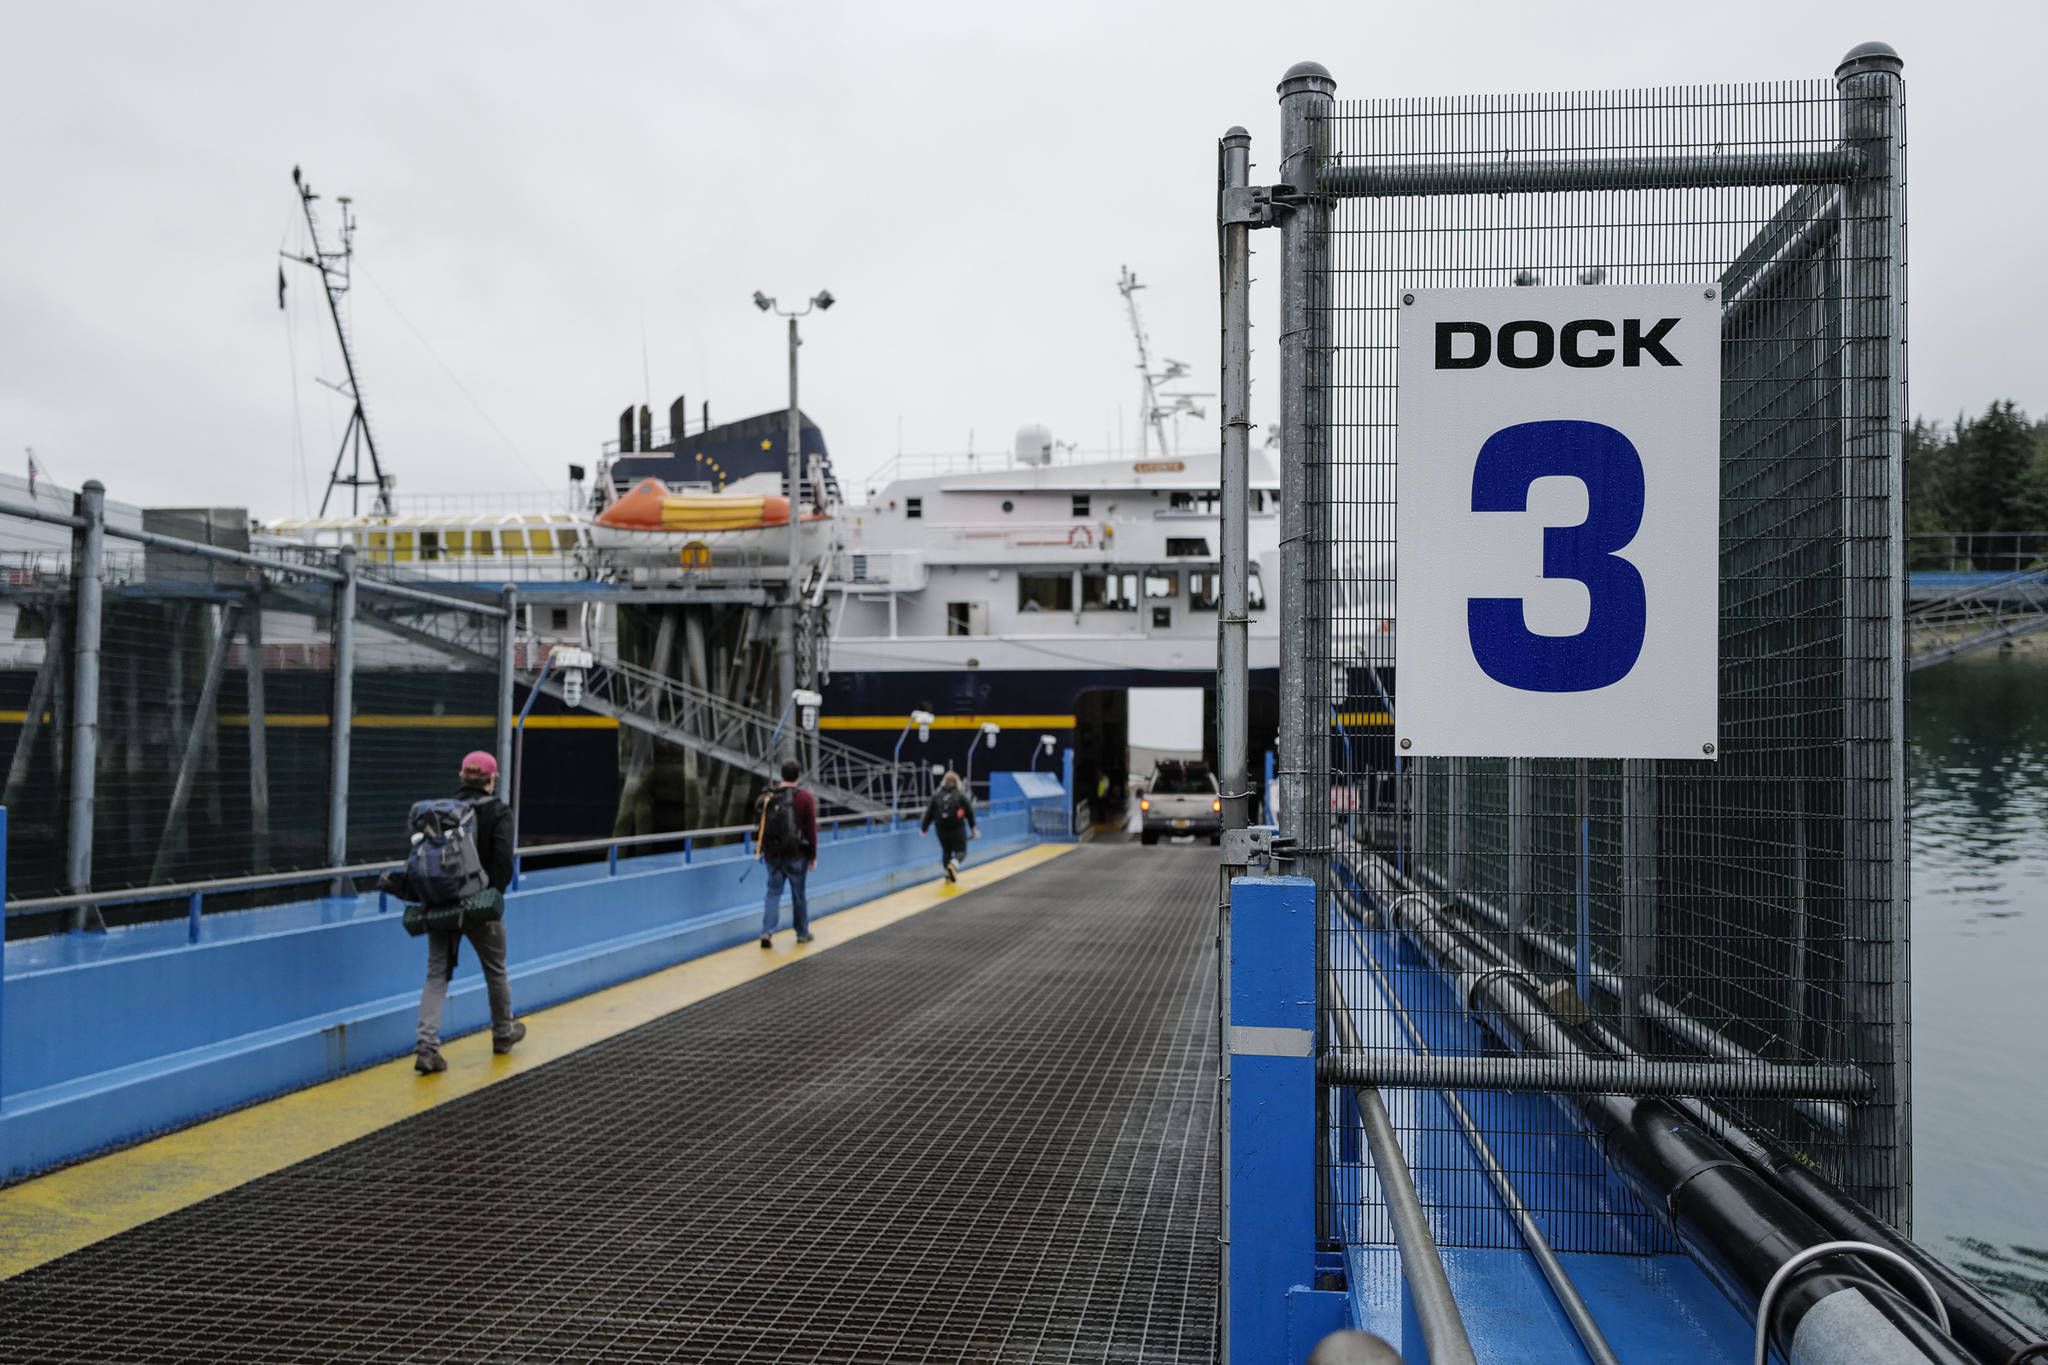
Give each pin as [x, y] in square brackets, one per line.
[508, 672]
[195, 740]
[1436, 1308]
[786, 669]
[40, 698]
[341, 719]
[1232, 640]
[1561, 1285]
[1582, 1075]
[1827, 166]
[1304, 92]
[89, 545]
[29, 512]
[1877, 1002]
[259, 732]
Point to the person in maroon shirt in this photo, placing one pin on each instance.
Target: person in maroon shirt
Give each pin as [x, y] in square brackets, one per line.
[787, 844]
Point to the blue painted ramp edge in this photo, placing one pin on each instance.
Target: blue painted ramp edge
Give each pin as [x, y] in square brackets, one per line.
[125, 1100]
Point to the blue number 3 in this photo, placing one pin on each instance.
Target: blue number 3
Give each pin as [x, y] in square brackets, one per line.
[1607, 463]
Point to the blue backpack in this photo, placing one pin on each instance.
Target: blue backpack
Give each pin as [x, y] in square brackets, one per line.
[444, 866]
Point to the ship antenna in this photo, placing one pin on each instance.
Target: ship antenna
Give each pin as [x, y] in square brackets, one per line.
[1151, 414]
[355, 438]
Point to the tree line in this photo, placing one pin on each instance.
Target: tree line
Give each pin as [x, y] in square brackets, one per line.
[1984, 474]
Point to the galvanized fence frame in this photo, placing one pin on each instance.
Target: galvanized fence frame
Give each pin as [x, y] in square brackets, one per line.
[238, 588]
[1737, 928]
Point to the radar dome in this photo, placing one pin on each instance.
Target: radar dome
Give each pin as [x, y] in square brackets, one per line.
[1034, 445]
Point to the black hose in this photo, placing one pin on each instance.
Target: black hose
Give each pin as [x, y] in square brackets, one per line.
[1735, 1222]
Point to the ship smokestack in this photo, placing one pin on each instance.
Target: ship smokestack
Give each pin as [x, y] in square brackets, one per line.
[646, 428]
[678, 418]
[626, 432]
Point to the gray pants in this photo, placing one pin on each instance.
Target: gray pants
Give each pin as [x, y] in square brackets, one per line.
[489, 941]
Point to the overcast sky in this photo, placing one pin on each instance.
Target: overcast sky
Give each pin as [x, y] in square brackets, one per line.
[540, 186]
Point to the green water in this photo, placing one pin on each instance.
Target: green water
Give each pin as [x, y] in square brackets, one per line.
[1978, 773]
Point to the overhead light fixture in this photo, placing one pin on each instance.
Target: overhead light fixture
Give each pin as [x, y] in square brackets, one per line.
[824, 299]
[762, 301]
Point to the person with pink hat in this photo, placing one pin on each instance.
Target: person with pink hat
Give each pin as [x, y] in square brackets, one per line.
[494, 847]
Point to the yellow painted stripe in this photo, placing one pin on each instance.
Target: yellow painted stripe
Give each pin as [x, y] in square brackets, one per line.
[18, 717]
[308, 721]
[53, 1215]
[946, 722]
[1364, 718]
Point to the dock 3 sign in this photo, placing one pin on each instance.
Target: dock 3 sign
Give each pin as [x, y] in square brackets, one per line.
[1559, 494]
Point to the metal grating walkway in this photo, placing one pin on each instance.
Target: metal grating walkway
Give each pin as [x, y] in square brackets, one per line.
[983, 1133]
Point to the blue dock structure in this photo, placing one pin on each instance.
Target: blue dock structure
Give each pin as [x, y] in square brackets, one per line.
[1560, 1014]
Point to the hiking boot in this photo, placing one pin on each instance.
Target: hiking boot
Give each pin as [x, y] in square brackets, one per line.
[427, 1063]
[503, 1045]
[767, 942]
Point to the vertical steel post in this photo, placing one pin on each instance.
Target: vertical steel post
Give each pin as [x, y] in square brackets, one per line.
[1873, 576]
[1304, 94]
[1521, 806]
[342, 715]
[1638, 893]
[1233, 661]
[259, 733]
[195, 740]
[785, 662]
[508, 675]
[89, 566]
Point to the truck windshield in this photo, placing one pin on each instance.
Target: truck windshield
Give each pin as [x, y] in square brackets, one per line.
[1182, 779]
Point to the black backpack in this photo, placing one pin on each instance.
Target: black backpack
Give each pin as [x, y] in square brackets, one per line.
[444, 866]
[952, 806]
[780, 835]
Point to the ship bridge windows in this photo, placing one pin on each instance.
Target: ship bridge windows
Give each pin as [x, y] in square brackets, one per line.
[1161, 584]
[1109, 592]
[1197, 502]
[1045, 592]
[1205, 589]
[1187, 547]
[1080, 504]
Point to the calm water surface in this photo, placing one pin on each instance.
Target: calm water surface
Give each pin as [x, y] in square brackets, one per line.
[1978, 772]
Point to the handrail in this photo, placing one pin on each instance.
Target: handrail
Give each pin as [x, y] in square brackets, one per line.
[172, 890]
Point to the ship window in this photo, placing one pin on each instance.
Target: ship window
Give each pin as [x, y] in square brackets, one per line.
[558, 618]
[430, 545]
[966, 618]
[1255, 591]
[1162, 618]
[1161, 584]
[540, 542]
[1205, 589]
[1200, 502]
[1109, 592]
[1258, 499]
[913, 508]
[1188, 547]
[1045, 592]
[1080, 504]
[480, 543]
[1009, 506]
[513, 543]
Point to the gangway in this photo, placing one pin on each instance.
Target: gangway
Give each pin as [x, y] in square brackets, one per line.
[670, 709]
[1976, 617]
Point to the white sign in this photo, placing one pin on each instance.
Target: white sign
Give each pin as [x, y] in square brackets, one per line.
[1558, 520]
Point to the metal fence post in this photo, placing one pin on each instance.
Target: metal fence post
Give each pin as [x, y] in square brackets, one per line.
[1873, 577]
[1520, 814]
[1233, 660]
[259, 740]
[508, 642]
[339, 721]
[1304, 92]
[1638, 893]
[89, 550]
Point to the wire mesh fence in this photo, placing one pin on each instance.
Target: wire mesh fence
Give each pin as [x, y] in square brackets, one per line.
[1731, 929]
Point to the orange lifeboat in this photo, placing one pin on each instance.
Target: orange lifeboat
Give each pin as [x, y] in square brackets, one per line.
[649, 506]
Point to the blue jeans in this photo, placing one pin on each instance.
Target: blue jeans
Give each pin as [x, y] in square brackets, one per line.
[793, 871]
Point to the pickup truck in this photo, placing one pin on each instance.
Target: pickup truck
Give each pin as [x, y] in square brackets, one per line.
[1181, 798]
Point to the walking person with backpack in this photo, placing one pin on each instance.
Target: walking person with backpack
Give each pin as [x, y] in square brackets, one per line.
[952, 810]
[787, 845]
[457, 872]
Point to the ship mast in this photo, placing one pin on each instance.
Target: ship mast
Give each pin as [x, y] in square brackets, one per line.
[355, 438]
[1157, 406]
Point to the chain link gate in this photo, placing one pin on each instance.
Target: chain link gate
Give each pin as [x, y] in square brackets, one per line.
[1732, 931]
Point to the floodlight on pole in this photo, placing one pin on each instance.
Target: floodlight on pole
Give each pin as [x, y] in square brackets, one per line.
[923, 721]
[786, 633]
